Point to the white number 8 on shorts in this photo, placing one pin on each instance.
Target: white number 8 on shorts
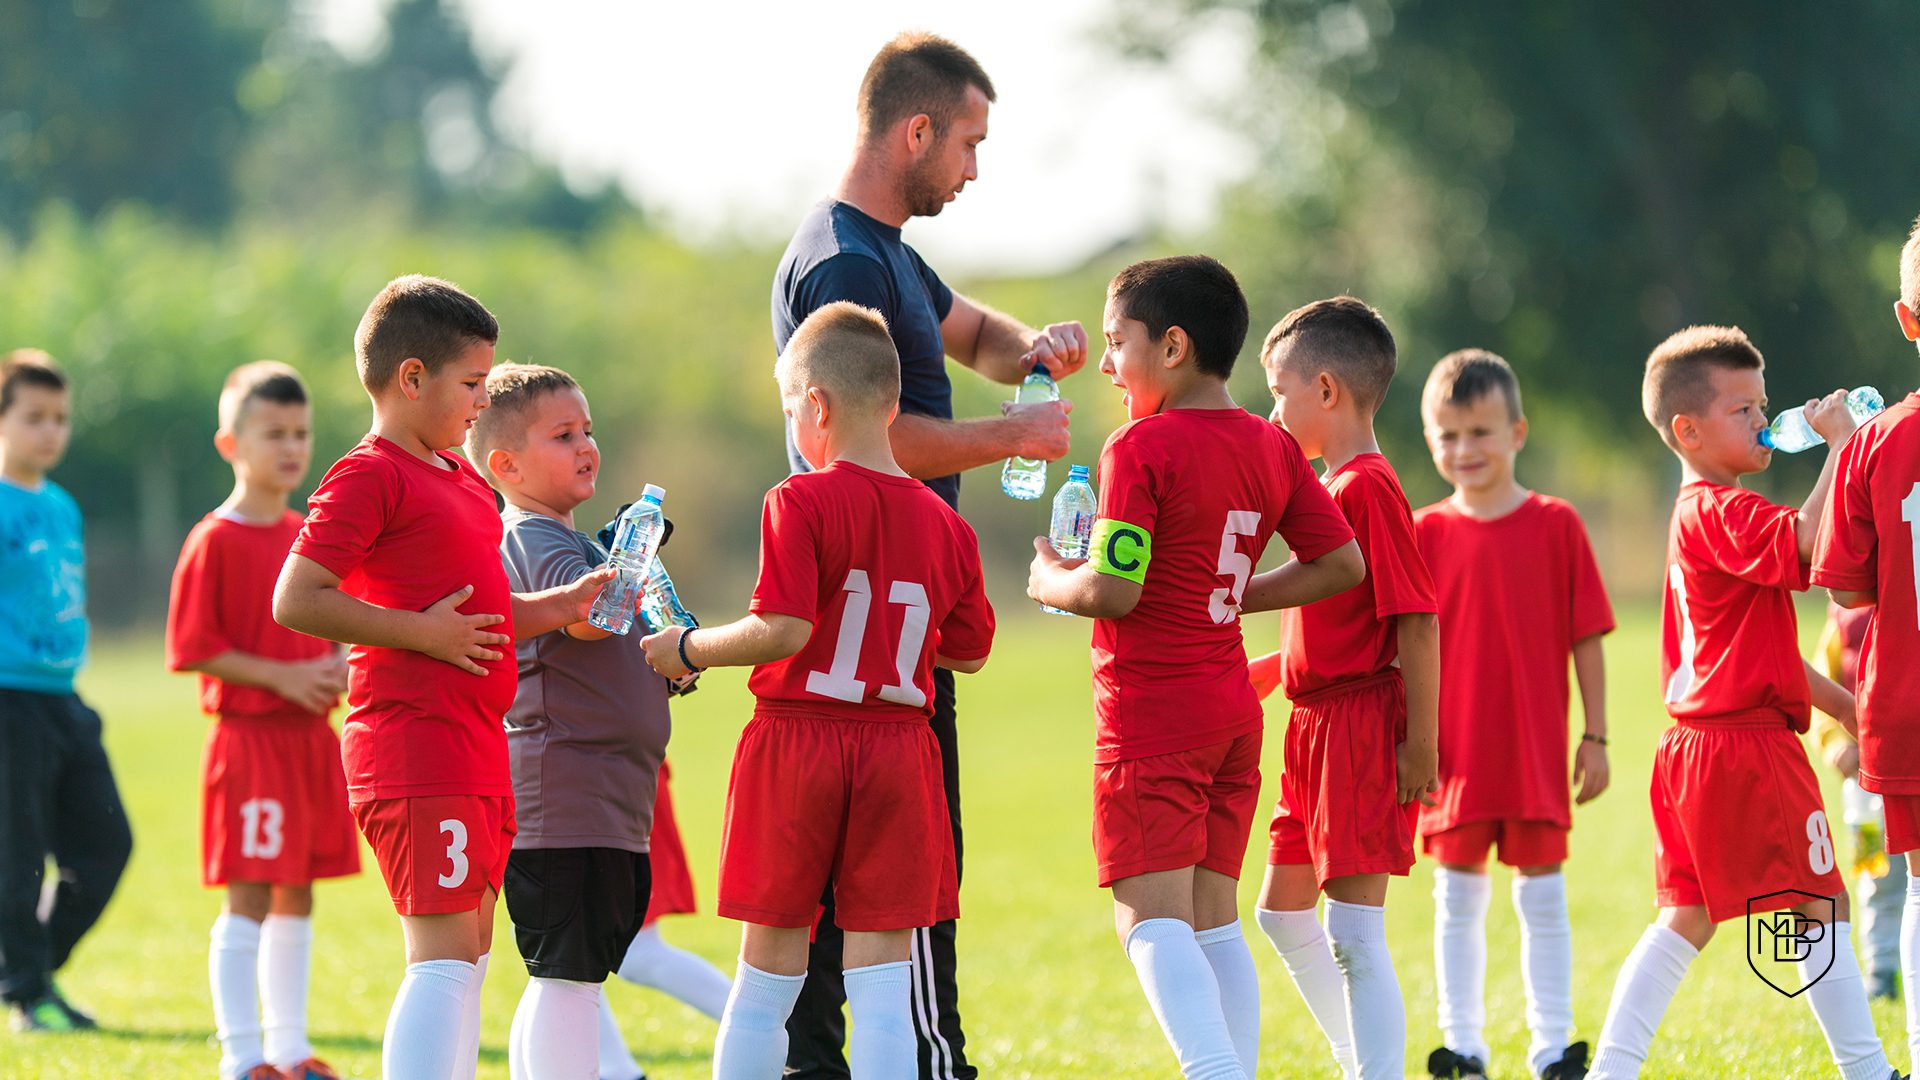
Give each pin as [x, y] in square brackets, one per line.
[1820, 851]
[456, 833]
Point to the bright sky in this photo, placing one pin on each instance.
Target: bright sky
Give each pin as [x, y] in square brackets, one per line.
[729, 119]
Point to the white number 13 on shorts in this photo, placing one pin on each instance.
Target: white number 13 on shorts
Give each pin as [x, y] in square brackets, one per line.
[455, 831]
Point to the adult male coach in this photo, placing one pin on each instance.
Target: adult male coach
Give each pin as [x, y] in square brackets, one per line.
[923, 113]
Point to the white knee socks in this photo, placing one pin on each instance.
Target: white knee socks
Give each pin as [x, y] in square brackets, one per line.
[1460, 958]
[650, 961]
[1226, 950]
[233, 957]
[616, 1061]
[1546, 964]
[1302, 945]
[1839, 1003]
[1641, 995]
[1181, 990]
[883, 1042]
[752, 1042]
[286, 957]
[423, 1038]
[1910, 959]
[1358, 935]
[554, 1031]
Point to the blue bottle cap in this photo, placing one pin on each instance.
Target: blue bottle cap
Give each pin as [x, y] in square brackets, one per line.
[1076, 472]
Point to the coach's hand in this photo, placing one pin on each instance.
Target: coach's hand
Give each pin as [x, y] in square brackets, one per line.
[1037, 429]
[314, 685]
[1590, 771]
[663, 652]
[1062, 347]
[460, 639]
[1417, 766]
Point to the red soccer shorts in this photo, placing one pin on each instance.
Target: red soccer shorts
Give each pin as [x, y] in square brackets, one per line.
[439, 853]
[1338, 786]
[1903, 823]
[1521, 843]
[857, 802]
[1192, 808]
[1737, 815]
[672, 881]
[273, 804]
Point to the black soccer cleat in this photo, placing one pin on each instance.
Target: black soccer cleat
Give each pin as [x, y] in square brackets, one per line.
[1445, 1064]
[1571, 1066]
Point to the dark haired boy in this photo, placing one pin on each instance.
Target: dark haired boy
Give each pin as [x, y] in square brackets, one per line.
[1738, 824]
[1362, 670]
[1519, 592]
[57, 794]
[273, 797]
[400, 557]
[1192, 488]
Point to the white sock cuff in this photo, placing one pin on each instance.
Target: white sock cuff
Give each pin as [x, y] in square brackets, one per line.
[1669, 944]
[1155, 931]
[1846, 965]
[1913, 883]
[879, 977]
[295, 927]
[1539, 889]
[1219, 935]
[758, 987]
[232, 931]
[1355, 922]
[1289, 930]
[1464, 885]
[457, 971]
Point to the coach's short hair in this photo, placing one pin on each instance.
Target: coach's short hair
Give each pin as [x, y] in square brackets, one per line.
[418, 317]
[512, 390]
[1193, 292]
[1679, 379]
[916, 73]
[262, 380]
[1910, 268]
[1464, 376]
[844, 349]
[27, 367]
[1342, 336]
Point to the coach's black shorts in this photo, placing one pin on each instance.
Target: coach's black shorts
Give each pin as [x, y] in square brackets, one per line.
[576, 910]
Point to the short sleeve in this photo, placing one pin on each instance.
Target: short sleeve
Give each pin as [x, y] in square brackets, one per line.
[347, 514]
[1129, 508]
[541, 553]
[846, 276]
[1845, 552]
[1384, 525]
[937, 289]
[1312, 524]
[1754, 540]
[194, 633]
[1589, 612]
[967, 631]
[789, 582]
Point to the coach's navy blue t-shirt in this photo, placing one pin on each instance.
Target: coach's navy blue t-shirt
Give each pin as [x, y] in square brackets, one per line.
[839, 253]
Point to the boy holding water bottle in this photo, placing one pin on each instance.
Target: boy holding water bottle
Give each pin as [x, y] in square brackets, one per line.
[1738, 821]
[400, 537]
[1192, 488]
[1866, 555]
[867, 581]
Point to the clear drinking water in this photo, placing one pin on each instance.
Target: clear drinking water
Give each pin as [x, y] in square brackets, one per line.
[1074, 508]
[1026, 478]
[1790, 433]
[661, 604]
[635, 539]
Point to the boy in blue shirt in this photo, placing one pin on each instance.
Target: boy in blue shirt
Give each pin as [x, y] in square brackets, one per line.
[57, 795]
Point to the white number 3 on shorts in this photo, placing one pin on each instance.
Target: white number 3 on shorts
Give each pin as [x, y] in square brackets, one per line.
[456, 833]
[1820, 851]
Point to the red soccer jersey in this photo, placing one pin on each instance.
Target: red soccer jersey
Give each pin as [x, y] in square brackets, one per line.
[402, 533]
[1729, 646]
[1188, 501]
[222, 601]
[886, 573]
[1515, 593]
[1869, 541]
[1348, 635]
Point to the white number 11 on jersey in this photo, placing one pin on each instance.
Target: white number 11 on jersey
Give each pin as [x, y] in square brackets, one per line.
[838, 681]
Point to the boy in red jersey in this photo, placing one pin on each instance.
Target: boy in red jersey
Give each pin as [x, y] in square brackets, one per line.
[1866, 555]
[1362, 670]
[400, 536]
[1519, 593]
[1736, 810]
[273, 798]
[1192, 487]
[867, 580]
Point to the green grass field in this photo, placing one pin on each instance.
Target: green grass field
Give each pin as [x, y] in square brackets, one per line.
[1046, 990]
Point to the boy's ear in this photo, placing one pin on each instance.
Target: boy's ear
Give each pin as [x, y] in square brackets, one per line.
[1179, 346]
[501, 465]
[1685, 431]
[1328, 388]
[227, 442]
[411, 376]
[893, 414]
[1520, 434]
[1909, 321]
[820, 405]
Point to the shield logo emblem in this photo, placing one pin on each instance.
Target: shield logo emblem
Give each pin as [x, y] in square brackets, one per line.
[1780, 940]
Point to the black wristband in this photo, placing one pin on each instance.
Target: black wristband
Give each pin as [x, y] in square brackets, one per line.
[682, 646]
[1585, 736]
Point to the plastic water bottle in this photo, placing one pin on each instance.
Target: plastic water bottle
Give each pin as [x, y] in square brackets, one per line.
[661, 604]
[1026, 478]
[635, 540]
[1074, 507]
[1790, 433]
[1863, 816]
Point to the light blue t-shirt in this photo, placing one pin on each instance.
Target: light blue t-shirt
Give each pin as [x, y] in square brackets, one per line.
[43, 591]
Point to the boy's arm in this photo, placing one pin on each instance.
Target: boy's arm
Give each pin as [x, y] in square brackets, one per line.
[1590, 770]
[964, 667]
[1829, 419]
[314, 685]
[563, 607]
[1075, 585]
[1417, 760]
[745, 642]
[1265, 671]
[1851, 599]
[1297, 584]
[308, 598]
[1832, 698]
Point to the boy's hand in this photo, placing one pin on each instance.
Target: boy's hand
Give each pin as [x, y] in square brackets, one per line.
[1039, 428]
[460, 639]
[314, 685]
[1061, 347]
[1417, 766]
[1590, 771]
[579, 596]
[663, 652]
[1045, 561]
[1844, 757]
[1829, 418]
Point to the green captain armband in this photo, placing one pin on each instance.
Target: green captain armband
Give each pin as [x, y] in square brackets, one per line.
[1121, 549]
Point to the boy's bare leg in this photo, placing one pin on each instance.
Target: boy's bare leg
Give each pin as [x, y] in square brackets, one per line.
[428, 1030]
[286, 961]
[233, 966]
[1546, 961]
[1154, 916]
[1285, 913]
[1460, 896]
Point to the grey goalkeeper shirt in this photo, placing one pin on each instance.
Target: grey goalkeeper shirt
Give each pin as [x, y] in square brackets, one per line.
[589, 722]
